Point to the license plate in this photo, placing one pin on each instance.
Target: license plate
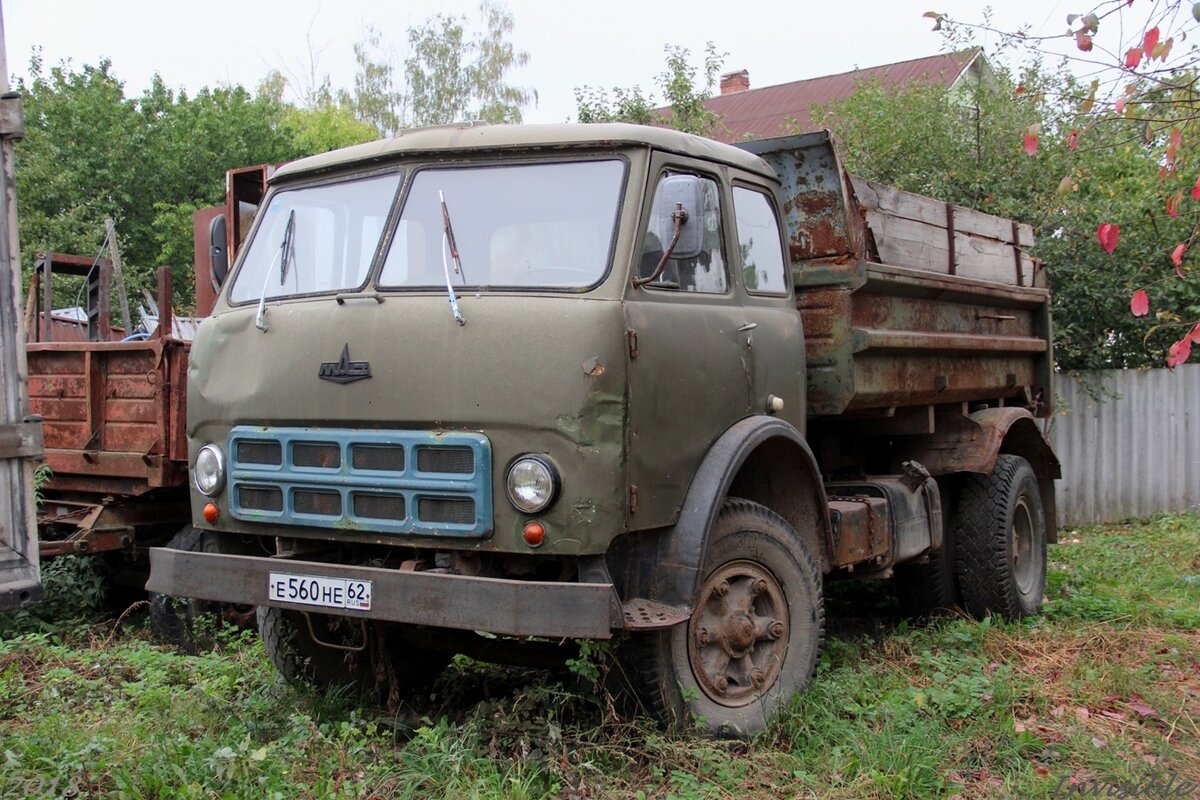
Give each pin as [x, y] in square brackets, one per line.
[315, 591]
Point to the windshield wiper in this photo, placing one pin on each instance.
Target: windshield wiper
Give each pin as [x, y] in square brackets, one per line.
[449, 243]
[286, 249]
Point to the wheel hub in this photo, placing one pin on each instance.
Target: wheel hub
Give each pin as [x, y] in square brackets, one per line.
[737, 636]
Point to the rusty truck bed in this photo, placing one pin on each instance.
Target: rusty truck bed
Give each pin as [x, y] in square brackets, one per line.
[908, 301]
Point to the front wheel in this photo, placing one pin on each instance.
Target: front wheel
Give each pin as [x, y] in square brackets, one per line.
[327, 652]
[754, 637]
[176, 621]
[1001, 539]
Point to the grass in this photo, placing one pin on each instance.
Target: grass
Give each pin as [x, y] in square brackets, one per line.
[1099, 693]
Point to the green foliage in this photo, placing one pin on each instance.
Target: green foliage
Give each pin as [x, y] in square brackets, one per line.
[964, 146]
[90, 153]
[974, 709]
[76, 590]
[685, 99]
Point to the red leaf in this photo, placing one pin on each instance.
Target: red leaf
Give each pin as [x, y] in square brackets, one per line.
[1177, 258]
[1133, 57]
[1020, 89]
[1031, 144]
[1150, 40]
[1083, 41]
[1179, 352]
[1173, 201]
[1120, 106]
[1194, 336]
[1141, 708]
[1108, 234]
[1140, 303]
[1196, 190]
[1073, 139]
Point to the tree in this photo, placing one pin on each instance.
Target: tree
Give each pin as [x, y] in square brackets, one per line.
[966, 147]
[90, 153]
[447, 76]
[685, 109]
[1143, 101]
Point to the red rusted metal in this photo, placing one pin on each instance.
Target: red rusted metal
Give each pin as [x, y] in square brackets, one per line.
[112, 410]
[92, 524]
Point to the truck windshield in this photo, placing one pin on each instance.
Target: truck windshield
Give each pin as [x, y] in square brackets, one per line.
[546, 225]
[335, 233]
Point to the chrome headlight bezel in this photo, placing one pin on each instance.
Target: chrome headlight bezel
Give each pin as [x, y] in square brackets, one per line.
[540, 468]
[209, 471]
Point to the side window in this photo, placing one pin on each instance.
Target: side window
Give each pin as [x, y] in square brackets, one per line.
[758, 238]
[706, 272]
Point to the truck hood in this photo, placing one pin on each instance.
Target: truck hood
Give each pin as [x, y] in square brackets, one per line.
[542, 374]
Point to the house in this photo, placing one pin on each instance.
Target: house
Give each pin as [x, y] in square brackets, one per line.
[744, 113]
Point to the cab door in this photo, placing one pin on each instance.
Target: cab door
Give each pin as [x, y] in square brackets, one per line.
[690, 373]
[775, 336]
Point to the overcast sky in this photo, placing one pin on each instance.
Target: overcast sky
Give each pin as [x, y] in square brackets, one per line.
[612, 43]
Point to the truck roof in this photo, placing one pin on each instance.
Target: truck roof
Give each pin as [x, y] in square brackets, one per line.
[482, 137]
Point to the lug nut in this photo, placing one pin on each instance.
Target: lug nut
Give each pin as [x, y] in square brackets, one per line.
[703, 637]
[722, 684]
[758, 587]
[775, 629]
[722, 588]
[757, 677]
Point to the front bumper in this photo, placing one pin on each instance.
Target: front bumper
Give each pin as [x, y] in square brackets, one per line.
[494, 605]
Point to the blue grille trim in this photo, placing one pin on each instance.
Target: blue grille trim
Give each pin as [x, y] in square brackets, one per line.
[408, 482]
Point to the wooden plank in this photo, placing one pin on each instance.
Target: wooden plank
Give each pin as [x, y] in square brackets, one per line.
[66, 435]
[123, 410]
[907, 243]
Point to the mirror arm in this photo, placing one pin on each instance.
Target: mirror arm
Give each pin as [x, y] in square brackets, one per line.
[680, 216]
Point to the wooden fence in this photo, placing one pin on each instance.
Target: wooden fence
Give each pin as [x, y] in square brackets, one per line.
[1132, 452]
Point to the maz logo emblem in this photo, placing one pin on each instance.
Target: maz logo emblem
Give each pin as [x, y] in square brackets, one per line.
[344, 370]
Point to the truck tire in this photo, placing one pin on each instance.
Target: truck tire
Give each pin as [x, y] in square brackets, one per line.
[754, 637]
[173, 619]
[926, 590]
[1001, 540]
[357, 669]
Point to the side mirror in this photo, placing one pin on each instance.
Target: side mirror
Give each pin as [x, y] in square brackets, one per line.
[686, 191]
[218, 240]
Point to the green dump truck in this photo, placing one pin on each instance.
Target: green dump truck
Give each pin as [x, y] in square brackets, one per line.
[489, 389]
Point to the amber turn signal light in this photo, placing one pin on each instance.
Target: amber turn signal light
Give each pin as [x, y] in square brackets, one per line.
[210, 513]
[534, 533]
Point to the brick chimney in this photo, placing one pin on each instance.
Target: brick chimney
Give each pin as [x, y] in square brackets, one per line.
[735, 82]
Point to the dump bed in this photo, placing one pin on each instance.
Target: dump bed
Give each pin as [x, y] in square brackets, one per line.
[113, 413]
[906, 300]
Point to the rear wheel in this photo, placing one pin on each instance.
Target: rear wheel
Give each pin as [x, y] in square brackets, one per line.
[326, 652]
[924, 590]
[754, 636]
[1001, 533]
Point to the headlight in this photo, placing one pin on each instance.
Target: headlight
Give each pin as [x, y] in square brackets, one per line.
[532, 483]
[210, 470]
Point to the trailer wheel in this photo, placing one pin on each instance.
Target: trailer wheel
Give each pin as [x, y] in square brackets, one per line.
[368, 659]
[1001, 539]
[754, 637]
[925, 590]
[173, 620]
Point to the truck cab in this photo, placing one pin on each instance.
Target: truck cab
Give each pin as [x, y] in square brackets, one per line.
[544, 383]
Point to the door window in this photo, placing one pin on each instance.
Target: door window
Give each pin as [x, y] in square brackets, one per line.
[758, 239]
[704, 273]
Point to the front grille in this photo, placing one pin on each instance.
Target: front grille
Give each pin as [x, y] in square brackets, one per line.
[317, 455]
[364, 480]
[250, 451]
[379, 506]
[325, 504]
[454, 511]
[260, 498]
[454, 460]
[381, 457]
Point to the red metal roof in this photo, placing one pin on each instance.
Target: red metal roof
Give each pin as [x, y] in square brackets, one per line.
[784, 109]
